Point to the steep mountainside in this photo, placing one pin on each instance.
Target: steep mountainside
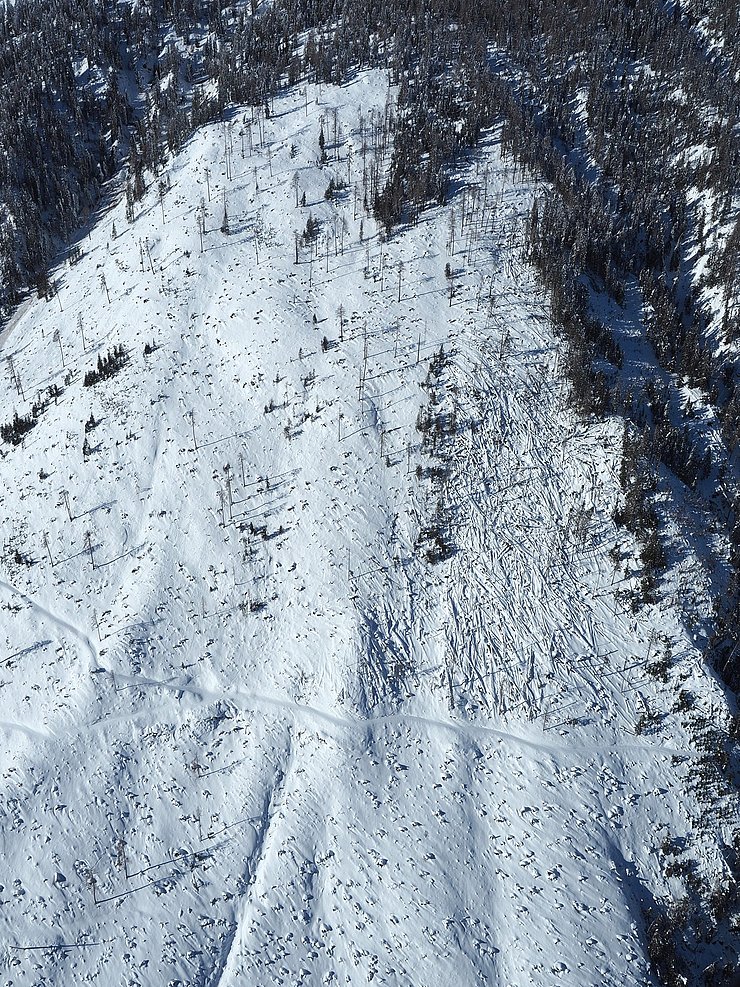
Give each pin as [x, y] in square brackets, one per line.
[324, 658]
[626, 117]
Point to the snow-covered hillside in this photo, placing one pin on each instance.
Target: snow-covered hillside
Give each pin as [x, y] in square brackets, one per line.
[316, 668]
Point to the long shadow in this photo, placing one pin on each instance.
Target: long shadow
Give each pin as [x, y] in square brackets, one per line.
[224, 438]
[145, 624]
[77, 555]
[100, 507]
[25, 651]
[125, 555]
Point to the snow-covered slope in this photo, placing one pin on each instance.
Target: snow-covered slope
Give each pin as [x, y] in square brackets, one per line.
[316, 669]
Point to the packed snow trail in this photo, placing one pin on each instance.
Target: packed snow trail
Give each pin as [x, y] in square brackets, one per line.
[364, 727]
[46, 616]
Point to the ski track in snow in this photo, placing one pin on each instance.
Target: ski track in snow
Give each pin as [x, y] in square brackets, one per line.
[61, 622]
[363, 728]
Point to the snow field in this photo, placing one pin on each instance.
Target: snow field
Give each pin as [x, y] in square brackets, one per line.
[255, 732]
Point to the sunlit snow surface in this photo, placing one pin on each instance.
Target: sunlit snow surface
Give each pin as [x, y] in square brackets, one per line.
[252, 733]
